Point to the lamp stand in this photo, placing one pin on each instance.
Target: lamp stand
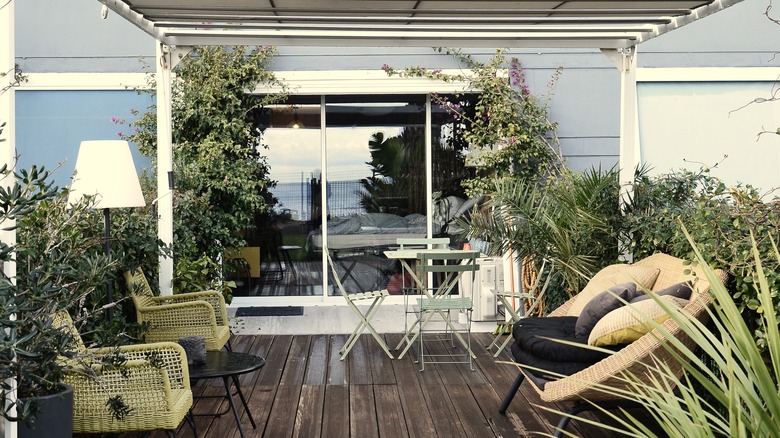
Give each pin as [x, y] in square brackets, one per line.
[110, 290]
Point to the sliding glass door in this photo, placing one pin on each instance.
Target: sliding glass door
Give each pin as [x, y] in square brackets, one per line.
[369, 174]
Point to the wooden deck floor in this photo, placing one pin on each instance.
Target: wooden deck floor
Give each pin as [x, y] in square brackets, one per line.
[304, 390]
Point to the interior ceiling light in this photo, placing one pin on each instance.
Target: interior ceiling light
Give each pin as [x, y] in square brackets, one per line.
[296, 123]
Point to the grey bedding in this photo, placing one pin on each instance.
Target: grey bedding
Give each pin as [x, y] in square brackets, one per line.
[369, 229]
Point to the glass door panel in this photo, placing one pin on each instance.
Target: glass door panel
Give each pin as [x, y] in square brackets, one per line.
[375, 184]
[288, 265]
[449, 169]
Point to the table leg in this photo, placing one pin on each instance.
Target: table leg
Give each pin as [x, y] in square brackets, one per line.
[243, 401]
[229, 396]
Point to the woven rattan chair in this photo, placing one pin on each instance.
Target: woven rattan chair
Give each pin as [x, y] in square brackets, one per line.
[637, 358]
[169, 318]
[154, 383]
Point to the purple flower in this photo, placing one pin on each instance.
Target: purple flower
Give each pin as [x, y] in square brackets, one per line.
[120, 134]
[114, 119]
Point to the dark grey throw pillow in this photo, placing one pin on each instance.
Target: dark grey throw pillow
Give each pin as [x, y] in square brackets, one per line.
[680, 290]
[601, 304]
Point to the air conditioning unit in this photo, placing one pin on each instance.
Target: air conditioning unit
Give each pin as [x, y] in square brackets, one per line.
[490, 276]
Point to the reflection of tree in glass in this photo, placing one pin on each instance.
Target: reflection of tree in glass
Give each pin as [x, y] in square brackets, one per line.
[397, 183]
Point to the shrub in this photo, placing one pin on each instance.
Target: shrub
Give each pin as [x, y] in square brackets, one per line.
[569, 221]
[222, 181]
[720, 219]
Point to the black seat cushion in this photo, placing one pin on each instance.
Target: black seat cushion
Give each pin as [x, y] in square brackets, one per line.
[536, 336]
[535, 345]
[547, 369]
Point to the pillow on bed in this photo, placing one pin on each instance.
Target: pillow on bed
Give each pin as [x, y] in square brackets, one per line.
[344, 225]
[610, 276]
[627, 324]
[601, 304]
[374, 221]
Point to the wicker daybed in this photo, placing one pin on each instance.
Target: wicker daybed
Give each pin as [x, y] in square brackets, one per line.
[635, 358]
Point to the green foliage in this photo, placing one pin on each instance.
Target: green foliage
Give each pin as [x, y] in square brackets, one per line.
[198, 275]
[221, 174]
[569, 221]
[57, 268]
[508, 127]
[737, 397]
[28, 344]
[720, 220]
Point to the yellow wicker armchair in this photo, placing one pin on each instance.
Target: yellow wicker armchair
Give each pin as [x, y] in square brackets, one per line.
[153, 382]
[169, 318]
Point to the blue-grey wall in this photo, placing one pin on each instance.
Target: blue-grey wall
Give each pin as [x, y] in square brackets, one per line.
[51, 125]
[52, 37]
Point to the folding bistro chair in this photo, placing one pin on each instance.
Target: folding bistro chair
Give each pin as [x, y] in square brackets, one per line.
[408, 272]
[438, 298]
[374, 297]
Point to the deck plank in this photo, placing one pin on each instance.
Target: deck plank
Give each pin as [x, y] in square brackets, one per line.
[362, 412]
[282, 418]
[335, 415]
[309, 414]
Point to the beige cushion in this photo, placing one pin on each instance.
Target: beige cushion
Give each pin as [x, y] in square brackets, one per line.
[611, 276]
[628, 323]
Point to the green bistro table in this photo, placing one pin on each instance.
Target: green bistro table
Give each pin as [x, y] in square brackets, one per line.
[227, 365]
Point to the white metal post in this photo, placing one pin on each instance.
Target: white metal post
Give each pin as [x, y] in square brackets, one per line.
[428, 165]
[625, 61]
[324, 196]
[164, 163]
[8, 157]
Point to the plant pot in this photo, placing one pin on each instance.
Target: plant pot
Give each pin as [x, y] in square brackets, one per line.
[54, 419]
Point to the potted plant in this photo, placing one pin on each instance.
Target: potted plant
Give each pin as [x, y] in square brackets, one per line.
[54, 271]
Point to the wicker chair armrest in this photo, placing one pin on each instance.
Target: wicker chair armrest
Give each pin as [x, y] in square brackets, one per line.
[192, 313]
[214, 298]
[167, 356]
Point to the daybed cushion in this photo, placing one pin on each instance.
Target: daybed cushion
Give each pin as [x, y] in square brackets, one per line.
[680, 290]
[601, 304]
[627, 324]
[610, 276]
[537, 336]
[548, 369]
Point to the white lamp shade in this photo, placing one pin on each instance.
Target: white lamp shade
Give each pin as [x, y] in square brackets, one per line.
[105, 168]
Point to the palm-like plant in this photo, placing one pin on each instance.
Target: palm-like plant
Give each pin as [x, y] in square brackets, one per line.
[566, 222]
[730, 388]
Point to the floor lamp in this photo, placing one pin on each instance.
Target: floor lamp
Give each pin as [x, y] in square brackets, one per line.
[105, 169]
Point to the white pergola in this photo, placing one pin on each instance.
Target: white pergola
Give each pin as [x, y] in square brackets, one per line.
[615, 27]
